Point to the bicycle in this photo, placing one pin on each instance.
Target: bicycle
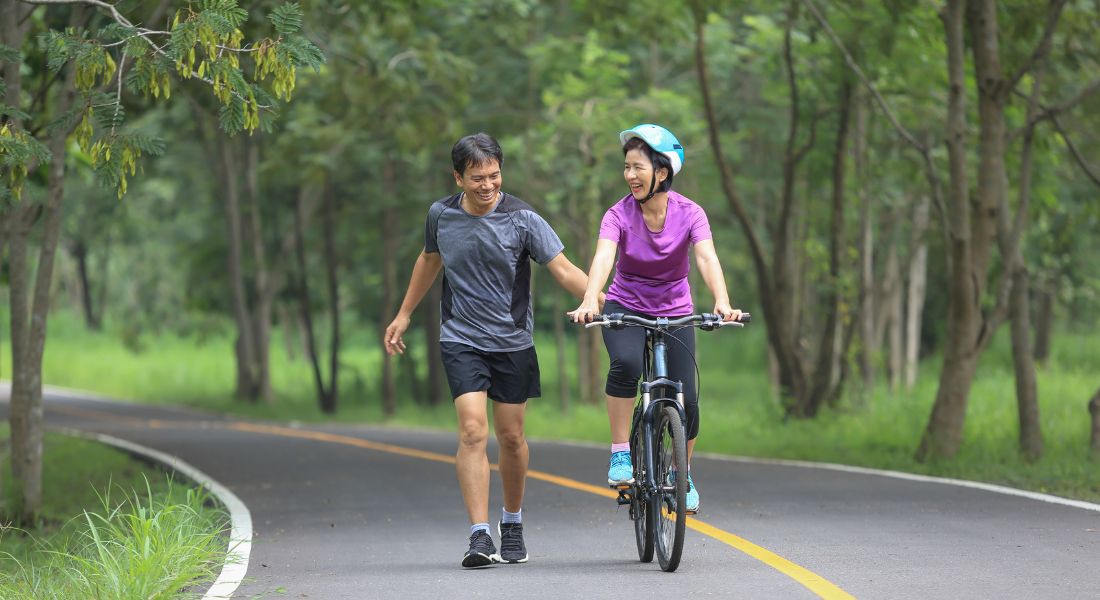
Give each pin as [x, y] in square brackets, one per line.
[658, 443]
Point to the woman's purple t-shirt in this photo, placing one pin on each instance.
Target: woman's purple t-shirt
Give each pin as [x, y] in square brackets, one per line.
[651, 275]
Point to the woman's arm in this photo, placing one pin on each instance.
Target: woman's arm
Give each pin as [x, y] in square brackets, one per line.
[706, 259]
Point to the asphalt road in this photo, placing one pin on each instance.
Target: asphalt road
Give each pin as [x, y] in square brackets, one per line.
[368, 512]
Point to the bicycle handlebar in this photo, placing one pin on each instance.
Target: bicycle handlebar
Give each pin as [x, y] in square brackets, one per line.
[705, 321]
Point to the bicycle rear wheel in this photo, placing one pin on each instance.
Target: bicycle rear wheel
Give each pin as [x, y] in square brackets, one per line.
[640, 506]
[668, 508]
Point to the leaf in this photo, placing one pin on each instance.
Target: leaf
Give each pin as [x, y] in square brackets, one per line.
[14, 113]
[287, 18]
[303, 53]
[65, 122]
[9, 54]
[231, 117]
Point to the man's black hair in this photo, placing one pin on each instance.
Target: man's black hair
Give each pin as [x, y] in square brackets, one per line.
[475, 150]
[658, 160]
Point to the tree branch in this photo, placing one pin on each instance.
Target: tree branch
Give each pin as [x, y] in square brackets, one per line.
[1043, 48]
[1053, 111]
[908, 137]
[117, 16]
[1073, 151]
[142, 33]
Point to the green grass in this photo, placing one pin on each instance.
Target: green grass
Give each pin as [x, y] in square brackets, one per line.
[739, 410]
[103, 538]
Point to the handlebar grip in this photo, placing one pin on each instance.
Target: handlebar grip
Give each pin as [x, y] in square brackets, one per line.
[744, 318]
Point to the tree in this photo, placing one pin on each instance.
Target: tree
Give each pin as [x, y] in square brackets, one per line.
[89, 54]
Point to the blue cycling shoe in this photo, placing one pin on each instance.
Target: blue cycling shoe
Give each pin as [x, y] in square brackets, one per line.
[620, 470]
[691, 501]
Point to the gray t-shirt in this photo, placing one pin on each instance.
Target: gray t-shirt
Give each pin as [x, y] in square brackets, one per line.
[487, 270]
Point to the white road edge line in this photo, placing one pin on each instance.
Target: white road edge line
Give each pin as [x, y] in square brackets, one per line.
[977, 485]
[240, 534]
[808, 464]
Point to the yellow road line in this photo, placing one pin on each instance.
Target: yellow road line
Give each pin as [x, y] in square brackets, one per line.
[808, 579]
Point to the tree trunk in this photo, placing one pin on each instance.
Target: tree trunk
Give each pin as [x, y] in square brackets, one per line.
[972, 233]
[1094, 436]
[389, 295]
[437, 387]
[825, 373]
[866, 310]
[13, 27]
[1044, 322]
[332, 278]
[264, 295]
[21, 419]
[1027, 393]
[561, 363]
[79, 251]
[389, 234]
[943, 432]
[290, 327]
[893, 307]
[791, 378]
[305, 306]
[245, 351]
[27, 412]
[784, 275]
[914, 304]
[26, 415]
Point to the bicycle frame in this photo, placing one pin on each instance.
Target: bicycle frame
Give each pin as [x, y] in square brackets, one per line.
[655, 381]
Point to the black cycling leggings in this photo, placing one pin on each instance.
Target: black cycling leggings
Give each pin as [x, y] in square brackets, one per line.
[625, 348]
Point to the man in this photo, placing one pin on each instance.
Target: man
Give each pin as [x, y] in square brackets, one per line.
[483, 239]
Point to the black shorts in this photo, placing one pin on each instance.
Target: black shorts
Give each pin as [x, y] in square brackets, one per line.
[509, 377]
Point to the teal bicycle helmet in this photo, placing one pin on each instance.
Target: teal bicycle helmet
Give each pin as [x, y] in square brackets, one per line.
[660, 139]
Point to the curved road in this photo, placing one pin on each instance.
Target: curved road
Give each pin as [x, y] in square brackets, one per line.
[366, 512]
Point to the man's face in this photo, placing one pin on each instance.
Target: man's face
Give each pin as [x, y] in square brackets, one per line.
[481, 183]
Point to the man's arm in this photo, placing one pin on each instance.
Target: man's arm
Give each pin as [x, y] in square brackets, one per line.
[424, 273]
[568, 275]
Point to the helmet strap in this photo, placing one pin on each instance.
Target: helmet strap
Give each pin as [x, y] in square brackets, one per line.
[652, 188]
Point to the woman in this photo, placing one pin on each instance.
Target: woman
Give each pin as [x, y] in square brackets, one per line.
[653, 229]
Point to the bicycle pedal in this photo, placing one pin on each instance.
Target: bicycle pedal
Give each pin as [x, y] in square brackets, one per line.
[620, 486]
[691, 512]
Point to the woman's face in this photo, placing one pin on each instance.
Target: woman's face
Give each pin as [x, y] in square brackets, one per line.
[638, 173]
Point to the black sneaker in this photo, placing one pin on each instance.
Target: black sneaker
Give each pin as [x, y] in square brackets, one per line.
[512, 549]
[482, 552]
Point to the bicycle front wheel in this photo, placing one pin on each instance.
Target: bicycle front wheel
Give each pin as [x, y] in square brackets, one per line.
[668, 507]
[640, 505]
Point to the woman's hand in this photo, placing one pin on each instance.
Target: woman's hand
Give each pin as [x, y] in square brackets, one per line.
[585, 312]
[727, 312]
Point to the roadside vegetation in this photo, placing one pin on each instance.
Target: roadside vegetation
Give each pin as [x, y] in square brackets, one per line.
[879, 428]
[125, 531]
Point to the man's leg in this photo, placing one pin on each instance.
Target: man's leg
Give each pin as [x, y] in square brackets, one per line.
[508, 419]
[471, 460]
[514, 456]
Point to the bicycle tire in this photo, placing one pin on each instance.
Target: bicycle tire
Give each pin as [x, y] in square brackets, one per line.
[639, 504]
[668, 508]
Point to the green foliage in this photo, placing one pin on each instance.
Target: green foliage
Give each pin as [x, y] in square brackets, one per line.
[205, 43]
[287, 18]
[17, 150]
[148, 546]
